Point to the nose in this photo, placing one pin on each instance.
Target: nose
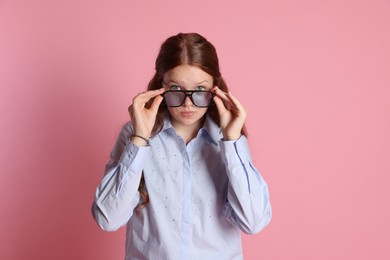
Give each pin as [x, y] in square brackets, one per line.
[188, 102]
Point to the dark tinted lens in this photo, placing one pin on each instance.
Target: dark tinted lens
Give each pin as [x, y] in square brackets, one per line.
[201, 99]
[174, 99]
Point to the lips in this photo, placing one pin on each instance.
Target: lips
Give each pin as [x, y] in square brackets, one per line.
[187, 113]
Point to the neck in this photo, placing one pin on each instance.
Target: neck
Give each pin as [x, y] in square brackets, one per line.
[187, 133]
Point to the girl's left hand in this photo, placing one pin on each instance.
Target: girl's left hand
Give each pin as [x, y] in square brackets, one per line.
[231, 113]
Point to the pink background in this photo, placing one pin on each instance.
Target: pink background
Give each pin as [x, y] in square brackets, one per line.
[313, 75]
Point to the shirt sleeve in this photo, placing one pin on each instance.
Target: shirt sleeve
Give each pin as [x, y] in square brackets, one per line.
[248, 204]
[117, 194]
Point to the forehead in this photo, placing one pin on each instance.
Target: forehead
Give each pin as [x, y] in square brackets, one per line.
[187, 75]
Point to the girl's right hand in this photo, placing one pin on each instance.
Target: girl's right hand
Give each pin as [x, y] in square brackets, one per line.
[142, 118]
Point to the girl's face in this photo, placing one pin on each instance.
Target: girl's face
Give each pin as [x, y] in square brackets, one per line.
[186, 77]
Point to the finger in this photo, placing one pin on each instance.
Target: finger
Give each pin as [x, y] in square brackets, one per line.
[235, 101]
[225, 97]
[144, 97]
[220, 105]
[220, 93]
[240, 110]
[156, 103]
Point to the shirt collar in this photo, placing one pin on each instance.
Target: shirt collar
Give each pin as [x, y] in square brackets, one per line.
[210, 128]
[166, 121]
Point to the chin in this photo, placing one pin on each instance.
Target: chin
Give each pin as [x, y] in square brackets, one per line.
[189, 122]
[187, 118]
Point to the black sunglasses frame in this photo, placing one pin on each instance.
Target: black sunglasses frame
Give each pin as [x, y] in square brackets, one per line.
[189, 93]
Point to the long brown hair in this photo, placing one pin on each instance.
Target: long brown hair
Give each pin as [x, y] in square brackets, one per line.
[190, 49]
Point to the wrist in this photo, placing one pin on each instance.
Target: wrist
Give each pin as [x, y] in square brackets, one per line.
[139, 140]
[231, 137]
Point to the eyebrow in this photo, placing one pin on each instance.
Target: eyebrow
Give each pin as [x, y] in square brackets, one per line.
[175, 82]
[204, 81]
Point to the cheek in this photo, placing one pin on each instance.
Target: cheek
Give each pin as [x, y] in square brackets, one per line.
[203, 110]
[172, 110]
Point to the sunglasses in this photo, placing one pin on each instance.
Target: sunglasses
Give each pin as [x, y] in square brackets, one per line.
[176, 98]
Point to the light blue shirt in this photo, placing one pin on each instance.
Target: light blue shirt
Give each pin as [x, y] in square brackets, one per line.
[201, 195]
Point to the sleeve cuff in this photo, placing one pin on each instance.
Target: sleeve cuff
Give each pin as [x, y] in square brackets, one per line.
[134, 157]
[236, 151]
